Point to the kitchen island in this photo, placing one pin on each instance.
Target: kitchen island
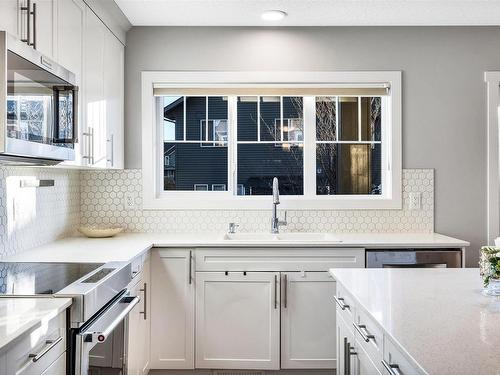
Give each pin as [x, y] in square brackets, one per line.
[416, 321]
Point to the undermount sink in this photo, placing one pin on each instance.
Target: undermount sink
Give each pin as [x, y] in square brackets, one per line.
[291, 237]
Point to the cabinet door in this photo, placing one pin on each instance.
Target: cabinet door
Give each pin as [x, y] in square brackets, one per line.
[44, 27]
[345, 339]
[145, 319]
[70, 32]
[11, 17]
[114, 55]
[94, 140]
[172, 310]
[237, 320]
[308, 321]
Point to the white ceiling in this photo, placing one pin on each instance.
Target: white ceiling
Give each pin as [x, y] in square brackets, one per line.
[311, 12]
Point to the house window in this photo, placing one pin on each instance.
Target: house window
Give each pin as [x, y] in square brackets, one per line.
[331, 145]
[201, 187]
[186, 127]
[264, 147]
[348, 145]
[214, 130]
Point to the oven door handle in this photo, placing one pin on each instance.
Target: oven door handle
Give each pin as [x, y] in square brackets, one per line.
[99, 330]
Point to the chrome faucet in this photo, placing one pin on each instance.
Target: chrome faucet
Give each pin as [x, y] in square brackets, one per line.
[275, 221]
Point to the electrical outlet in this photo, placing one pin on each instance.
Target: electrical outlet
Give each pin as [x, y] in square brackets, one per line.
[415, 201]
[129, 201]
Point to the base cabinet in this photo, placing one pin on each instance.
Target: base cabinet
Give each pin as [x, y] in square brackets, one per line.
[307, 321]
[253, 309]
[237, 320]
[172, 309]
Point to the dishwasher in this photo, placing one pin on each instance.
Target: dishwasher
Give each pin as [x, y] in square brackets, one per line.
[414, 258]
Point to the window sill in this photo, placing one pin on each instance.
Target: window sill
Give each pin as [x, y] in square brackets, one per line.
[199, 201]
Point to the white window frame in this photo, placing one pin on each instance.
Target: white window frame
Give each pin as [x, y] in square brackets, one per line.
[154, 197]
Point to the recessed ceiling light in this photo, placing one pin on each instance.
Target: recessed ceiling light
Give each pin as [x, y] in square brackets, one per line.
[273, 15]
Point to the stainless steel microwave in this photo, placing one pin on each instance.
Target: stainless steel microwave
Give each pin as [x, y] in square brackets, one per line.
[38, 106]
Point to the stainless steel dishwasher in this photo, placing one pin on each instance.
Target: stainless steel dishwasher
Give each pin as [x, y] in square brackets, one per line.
[414, 258]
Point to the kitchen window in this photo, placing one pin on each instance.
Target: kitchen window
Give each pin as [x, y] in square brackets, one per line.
[333, 139]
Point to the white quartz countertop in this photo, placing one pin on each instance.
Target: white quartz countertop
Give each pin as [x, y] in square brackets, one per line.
[19, 315]
[126, 246]
[439, 316]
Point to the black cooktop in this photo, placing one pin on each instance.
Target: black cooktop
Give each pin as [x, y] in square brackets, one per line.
[40, 278]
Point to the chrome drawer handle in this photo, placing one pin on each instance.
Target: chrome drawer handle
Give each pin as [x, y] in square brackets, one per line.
[392, 369]
[340, 302]
[365, 335]
[50, 343]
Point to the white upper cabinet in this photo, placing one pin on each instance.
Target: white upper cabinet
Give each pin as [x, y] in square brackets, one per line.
[172, 309]
[10, 17]
[237, 320]
[114, 61]
[102, 139]
[44, 26]
[34, 22]
[307, 320]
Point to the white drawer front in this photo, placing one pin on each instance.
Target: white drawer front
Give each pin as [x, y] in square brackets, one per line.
[345, 305]
[35, 351]
[272, 259]
[399, 362]
[370, 337]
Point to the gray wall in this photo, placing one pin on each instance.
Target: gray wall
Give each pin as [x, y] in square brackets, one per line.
[444, 102]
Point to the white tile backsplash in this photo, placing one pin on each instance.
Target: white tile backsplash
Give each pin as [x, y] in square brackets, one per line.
[102, 203]
[31, 217]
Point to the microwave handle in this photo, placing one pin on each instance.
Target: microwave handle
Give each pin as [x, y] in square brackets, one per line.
[74, 138]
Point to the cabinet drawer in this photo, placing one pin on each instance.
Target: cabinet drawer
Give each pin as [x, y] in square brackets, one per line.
[283, 259]
[36, 350]
[394, 357]
[369, 335]
[138, 263]
[345, 305]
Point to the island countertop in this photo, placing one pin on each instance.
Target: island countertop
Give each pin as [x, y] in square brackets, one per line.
[438, 316]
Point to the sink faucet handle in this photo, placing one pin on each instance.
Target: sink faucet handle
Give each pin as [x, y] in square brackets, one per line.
[283, 222]
[232, 227]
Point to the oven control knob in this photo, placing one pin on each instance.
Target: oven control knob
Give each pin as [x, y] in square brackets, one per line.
[101, 338]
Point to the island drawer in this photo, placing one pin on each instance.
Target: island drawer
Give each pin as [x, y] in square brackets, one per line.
[345, 305]
[36, 350]
[278, 259]
[398, 362]
[370, 336]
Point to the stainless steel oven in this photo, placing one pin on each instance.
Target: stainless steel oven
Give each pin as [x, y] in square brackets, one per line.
[38, 106]
[414, 258]
[101, 344]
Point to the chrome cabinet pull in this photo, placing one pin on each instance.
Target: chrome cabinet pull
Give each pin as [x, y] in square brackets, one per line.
[50, 344]
[90, 145]
[190, 267]
[285, 294]
[346, 356]
[365, 335]
[145, 291]
[340, 303]
[33, 13]
[392, 369]
[275, 292]
[111, 160]
[350, 351]
[27, 9]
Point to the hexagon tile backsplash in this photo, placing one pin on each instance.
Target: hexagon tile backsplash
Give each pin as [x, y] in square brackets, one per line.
[102, 202]
[31, 217]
